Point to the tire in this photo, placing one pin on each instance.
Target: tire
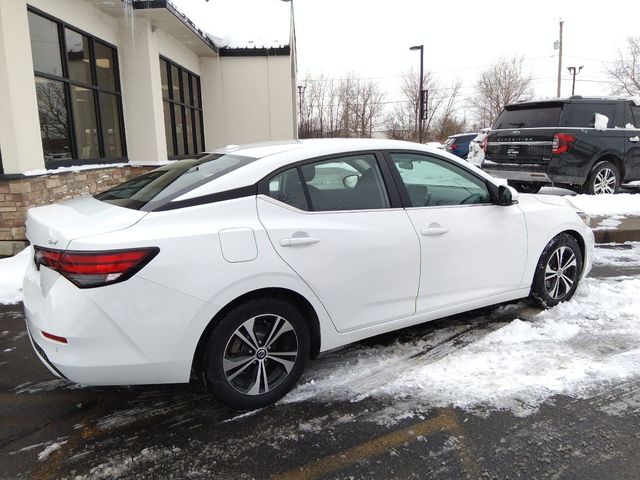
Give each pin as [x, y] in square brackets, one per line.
[525, 187]
[604, 178]
[274, 324]
[549, 288]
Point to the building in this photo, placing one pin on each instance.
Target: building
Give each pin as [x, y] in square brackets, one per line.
[112, 88]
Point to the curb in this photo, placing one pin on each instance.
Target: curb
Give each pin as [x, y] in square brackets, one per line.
[615, 229]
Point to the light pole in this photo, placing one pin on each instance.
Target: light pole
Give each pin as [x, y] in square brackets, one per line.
[574, 72]
[421, 92]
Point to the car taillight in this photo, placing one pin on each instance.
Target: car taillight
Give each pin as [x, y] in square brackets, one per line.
[562, 142]
[453, 146]
[95, 269]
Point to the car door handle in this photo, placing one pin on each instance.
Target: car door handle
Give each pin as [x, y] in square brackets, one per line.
[298, 241]
[634, 139]
[433, 231]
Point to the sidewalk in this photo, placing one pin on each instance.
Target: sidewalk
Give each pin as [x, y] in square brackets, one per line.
[615, 228]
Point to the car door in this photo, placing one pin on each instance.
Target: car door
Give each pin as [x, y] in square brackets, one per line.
[471, 248]
[333, 222]
[632, 142]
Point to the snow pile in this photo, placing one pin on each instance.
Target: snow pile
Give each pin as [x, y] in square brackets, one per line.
[607, 204]
[241, 23]
[11, 273]
[590, 341]
[601, 122]
[621, 255]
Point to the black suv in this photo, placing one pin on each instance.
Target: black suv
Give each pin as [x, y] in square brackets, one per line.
[586, 144]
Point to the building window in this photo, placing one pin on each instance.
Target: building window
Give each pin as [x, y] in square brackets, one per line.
[79, 99]
[181, 99]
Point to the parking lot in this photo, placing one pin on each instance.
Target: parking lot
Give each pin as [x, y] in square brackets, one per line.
[328, 429]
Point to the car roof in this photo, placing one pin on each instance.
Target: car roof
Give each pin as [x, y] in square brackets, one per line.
[273, 156]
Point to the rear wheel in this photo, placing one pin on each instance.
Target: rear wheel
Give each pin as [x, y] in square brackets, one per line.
[526, 187]
[558, 272]
[256, 354]
[604, 178]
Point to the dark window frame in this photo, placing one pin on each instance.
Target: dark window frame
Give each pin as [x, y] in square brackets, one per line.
[187, 109]
[388, 182]
[404, 193]
[95, 89]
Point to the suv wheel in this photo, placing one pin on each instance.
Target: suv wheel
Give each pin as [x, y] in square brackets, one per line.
[257, 353]
[604, 178]
[526, 187]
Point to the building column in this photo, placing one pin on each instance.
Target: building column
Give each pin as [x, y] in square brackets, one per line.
[20, 141]
[139, 60]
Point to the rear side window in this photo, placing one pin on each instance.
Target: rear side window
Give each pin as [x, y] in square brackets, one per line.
[636, 116]
[529, 117]
[348, 183]
[584, 114]
[160, 186]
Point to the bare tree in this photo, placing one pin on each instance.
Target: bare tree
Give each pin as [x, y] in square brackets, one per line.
[625, 71]
[349, 107]
[401, 122]
[502, 83]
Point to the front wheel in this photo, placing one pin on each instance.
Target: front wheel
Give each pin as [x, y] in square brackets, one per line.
[558, 272]
[257, 353]
[604, 178]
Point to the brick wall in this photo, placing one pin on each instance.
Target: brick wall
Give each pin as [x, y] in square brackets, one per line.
[18, 195]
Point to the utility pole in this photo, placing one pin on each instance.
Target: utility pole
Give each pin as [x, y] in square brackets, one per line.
[573, 71]
[421, 94]
[560, 59]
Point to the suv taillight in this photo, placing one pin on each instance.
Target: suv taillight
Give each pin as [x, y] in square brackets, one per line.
[95, 269]
[452, 146]
[562, 142]
[484, 143]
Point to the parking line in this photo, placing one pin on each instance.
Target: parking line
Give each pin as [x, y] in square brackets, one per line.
[446, 420]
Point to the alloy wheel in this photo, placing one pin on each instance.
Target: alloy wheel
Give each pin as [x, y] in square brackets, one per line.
[605, 182]
[560, 272]
[260, 354]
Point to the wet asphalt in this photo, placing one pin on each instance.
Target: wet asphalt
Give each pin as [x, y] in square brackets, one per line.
[178, 431]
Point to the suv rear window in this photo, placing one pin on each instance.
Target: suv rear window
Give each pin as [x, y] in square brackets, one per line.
[584, 114]
[160, 186]
[529, 116]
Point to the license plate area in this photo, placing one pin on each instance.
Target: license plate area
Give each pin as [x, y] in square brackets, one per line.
[513, 151]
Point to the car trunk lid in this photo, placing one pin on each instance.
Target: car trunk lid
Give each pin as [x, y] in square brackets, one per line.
[55, 226]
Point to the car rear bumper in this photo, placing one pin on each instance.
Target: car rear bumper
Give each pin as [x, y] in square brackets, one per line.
[101, 350]
[530, 173]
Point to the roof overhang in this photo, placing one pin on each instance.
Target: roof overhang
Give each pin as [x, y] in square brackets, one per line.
[167, 18]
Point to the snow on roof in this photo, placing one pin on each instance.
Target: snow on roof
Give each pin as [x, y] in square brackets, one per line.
[240, 23]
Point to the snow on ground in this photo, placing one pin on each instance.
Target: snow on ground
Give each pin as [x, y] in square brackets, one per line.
[591, 341]
[607, 204]
[43, 455]
[74, 168]
[11, 272]
[618, 255]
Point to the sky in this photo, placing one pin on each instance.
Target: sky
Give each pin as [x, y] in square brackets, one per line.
[372, 37]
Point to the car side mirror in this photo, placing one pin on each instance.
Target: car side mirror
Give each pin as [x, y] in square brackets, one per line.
[405, 165]
[350, 181]
[507, 195]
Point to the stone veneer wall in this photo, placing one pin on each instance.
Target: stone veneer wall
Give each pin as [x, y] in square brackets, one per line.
[17, 195]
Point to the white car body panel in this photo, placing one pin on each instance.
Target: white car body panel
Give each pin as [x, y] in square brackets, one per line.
[361, 279]
[482, 253]
[356, 291]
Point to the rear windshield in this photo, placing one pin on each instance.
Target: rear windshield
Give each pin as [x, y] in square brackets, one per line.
[529, 116]
[163, 184]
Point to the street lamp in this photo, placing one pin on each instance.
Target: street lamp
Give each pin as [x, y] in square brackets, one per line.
[421, 92]
[574, 72]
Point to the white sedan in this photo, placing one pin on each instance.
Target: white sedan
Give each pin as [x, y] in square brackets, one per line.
[238, 266]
